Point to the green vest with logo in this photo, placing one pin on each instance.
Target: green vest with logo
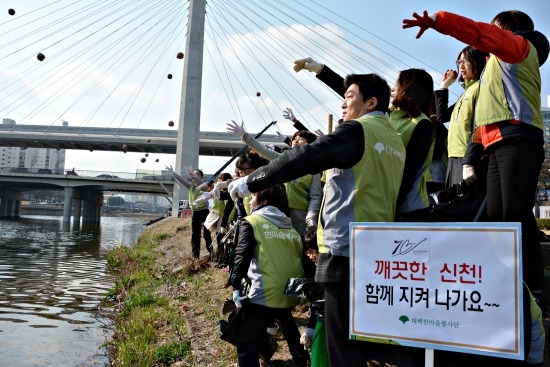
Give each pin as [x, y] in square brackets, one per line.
[510, 92]
[417, 198]
[277, 257]
[194, 194]
[461, 124]
[367, 192]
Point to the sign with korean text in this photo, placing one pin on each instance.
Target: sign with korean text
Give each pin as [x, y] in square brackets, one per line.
[450, 286]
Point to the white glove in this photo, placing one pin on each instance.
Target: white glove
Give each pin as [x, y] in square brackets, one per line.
[203, 198]
[235, 129]
[237, 298]
[310, 223]
[238, 188]
[281, 136]
[215, 193]
[307, 338]
[468, 173]
[319, 133]
[170, 169]
[309, 64]
[448, 78]
[189, 171]
[287, 114]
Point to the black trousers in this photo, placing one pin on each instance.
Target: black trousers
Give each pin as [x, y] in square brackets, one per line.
[197, 226]
[253, 327]
[345, 352]
[512, 177]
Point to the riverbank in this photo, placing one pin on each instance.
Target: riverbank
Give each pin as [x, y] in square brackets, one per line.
[167, 307]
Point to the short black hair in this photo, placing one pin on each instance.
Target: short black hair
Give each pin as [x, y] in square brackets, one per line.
[224, 176]
[273, 196]
[306, 134]
[514, 20]
[371, 85]
[250, 159]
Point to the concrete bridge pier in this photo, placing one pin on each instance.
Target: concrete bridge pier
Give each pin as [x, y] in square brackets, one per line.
[10, 204]
[92, 202]
[72, 205]
[68, 193]
[82, 205]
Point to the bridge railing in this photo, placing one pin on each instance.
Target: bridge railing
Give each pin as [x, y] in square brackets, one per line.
[140, 175]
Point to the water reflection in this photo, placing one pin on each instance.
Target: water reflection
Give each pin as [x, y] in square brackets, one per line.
[51, 283]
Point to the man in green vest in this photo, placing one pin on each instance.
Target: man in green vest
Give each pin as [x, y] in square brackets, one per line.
[200, 210]
[366, 157]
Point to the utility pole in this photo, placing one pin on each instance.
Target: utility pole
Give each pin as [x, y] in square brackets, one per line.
[187, 151]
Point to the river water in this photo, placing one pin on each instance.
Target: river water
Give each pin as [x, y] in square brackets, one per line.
[52, 284]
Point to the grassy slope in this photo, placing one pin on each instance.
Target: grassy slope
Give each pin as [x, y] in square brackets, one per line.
[168, 306]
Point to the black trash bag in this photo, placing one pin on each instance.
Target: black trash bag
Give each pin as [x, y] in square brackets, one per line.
[304, 288]
[464, 207]
[309, 289]
[460, 203]
[229, 329]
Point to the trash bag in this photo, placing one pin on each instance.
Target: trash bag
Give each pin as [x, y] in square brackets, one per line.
[309, 289]
[304, 288]
[459, 203]
[229, 329]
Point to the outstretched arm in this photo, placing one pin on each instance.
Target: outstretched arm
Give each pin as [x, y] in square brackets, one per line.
[178, 177]
[504, 44]
[248, 139]
[323, 73]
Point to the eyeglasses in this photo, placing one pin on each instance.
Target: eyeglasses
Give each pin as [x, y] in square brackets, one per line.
[462, 62]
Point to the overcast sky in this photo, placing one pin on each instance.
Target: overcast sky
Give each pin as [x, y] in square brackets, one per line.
[353, 36]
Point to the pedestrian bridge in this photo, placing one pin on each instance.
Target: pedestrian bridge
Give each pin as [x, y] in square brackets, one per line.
[211, 143]
[83, 195]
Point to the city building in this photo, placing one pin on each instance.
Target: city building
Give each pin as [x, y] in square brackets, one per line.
[32, 160]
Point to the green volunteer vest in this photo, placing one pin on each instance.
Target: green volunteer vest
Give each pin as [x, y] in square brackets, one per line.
[417, 198]
[218, 207]
[246, 203]
[279, 256]
[194, 194]
[367, 192]
[510, 92]
[462, 121]
[297, 192]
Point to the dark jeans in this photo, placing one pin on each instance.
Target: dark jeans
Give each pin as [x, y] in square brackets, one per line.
[197, 221]
[512, 177]
[253, 327]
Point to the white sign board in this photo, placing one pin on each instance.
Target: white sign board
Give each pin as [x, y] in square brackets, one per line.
[450, 286]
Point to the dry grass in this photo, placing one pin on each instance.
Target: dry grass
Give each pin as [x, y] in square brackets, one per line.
[196, 295]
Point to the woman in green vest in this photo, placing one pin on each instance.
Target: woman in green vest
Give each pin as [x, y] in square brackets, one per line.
[268, 252]
[412, 104]
[460, 115]
[508, 122]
